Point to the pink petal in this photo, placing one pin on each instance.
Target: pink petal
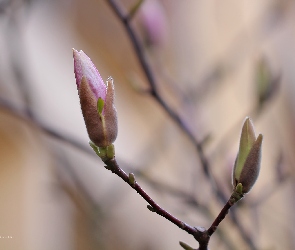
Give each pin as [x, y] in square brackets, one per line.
[83, 66]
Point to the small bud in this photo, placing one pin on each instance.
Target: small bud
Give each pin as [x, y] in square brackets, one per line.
[97, 101]
[246, 142]
[247, 165]
[132, 179]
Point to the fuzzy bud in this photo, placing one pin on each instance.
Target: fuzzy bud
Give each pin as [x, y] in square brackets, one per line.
[97, 101]
[247, 165]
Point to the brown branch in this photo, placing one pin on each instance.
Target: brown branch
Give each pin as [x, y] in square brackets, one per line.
[124, 18]
[113, 166]
[220, 217]
[200, 234]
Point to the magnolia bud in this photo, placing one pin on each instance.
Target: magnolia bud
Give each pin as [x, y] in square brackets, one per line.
[97, 101]
[247, 165]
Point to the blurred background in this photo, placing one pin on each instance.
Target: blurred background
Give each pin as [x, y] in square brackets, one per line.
[214, 63]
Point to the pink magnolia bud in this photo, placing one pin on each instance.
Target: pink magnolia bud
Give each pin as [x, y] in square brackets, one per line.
[97, 101]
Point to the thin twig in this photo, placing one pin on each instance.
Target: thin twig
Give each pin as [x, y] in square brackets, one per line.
[174, 116]
[220, 217]
[114, 167]
[155, 94]
[200, 234]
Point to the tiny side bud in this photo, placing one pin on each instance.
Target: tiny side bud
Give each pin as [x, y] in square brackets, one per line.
[132, 179]
[246, 141]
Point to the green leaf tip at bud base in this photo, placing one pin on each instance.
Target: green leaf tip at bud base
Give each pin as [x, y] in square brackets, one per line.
[237, 194]
[247, 165]
[239, 188]
[105, 153]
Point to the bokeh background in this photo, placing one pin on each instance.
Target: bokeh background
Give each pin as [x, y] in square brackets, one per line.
[209, 58]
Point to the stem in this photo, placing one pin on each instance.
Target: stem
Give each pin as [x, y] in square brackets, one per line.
[154, 93]
[113, 166]
[125, 19]
[201, 235]
[220, 217]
